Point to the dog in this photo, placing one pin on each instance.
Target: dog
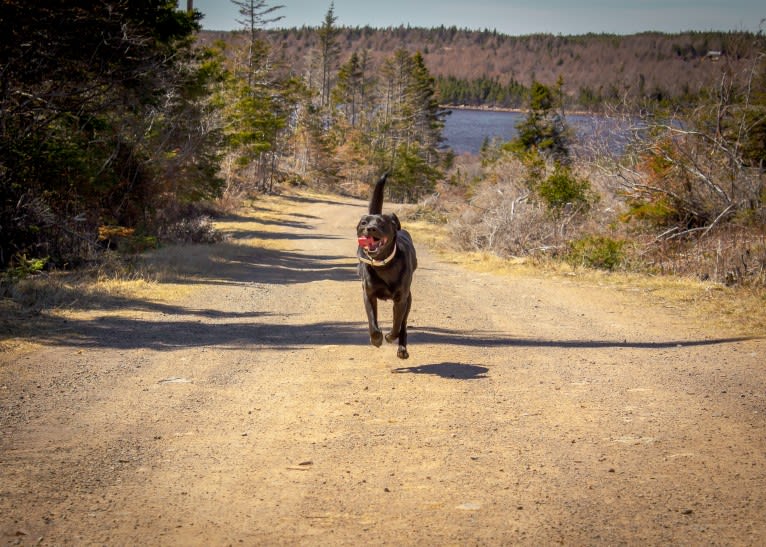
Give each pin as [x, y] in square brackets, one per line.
[387, 261]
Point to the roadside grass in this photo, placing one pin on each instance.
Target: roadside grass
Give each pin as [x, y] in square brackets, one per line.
[117, 284]
[736, 310]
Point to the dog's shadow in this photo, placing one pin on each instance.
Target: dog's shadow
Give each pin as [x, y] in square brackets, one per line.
[456, 371]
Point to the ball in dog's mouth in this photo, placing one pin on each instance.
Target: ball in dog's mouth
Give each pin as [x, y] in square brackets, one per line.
[370, 244]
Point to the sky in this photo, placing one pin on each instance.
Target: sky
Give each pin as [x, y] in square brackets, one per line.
[514, 17]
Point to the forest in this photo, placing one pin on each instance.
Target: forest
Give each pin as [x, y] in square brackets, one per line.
[491, 69]
[123, 127]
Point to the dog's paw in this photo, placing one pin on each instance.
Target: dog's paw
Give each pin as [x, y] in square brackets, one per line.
[376, 339]
[401, 353]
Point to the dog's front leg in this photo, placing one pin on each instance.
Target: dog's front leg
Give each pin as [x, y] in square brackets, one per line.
[399, 329]
[371, 307]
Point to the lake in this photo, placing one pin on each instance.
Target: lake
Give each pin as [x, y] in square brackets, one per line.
[465, 130]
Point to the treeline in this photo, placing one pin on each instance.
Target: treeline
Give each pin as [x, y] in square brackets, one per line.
[481, 92]
[595, 68]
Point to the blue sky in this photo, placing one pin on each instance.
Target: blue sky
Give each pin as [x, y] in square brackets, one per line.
[515, 17]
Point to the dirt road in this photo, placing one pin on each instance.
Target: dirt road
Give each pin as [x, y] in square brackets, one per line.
[250, 410]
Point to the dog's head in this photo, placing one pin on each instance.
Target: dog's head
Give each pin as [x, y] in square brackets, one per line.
[376, 234]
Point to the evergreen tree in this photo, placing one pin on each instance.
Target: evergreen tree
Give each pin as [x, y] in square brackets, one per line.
[328, 53]
[409, 125]
[352, 87]
[544, 130]
[428, 117]
[254, 15]
[316, 143]
[257, 103]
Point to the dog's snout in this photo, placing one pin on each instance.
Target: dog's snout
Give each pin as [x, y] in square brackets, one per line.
[368, 226]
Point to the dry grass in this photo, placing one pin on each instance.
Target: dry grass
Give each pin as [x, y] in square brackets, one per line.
[717, 280]
[160, 275]
[738, 310]
[44, 303]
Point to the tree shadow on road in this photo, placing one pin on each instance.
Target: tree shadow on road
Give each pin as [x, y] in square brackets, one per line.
[228, 263]
[189, 331]
[350, 202]
[434, 335]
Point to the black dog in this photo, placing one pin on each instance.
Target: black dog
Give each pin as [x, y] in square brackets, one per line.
[386, 263]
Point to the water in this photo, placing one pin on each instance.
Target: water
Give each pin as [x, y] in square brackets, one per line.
[466, 130]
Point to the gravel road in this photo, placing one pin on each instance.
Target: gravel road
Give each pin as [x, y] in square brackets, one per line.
[246, 407]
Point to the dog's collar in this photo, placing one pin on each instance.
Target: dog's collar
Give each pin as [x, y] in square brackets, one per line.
[377, 263]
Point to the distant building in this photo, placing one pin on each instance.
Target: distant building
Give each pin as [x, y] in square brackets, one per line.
[713, 55]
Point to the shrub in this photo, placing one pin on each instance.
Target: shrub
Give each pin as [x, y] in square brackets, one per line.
[563, 188]
[598, 252]
[22, 267]
[199, 229]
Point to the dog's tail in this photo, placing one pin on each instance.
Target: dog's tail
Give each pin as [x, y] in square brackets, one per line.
[376, 201]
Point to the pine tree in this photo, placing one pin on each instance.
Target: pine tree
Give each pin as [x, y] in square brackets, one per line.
[102, 121]
[258, 101]
[328, 53]
[428, 116]
[544, 130]
[255, 14]
[352, 87]
[409, 125]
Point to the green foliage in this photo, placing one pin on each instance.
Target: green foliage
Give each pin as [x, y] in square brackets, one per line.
[23, 267]
[541, 98]
[484, 91]
[655, 212]
[353, 90]
[542, 145]
[411, 175]
[544, 129]
[137, 244]
[254, 122]
[384, 121]
[126, 240]
[102, 120]
[598, 252]
[328, 52]
[563, 189]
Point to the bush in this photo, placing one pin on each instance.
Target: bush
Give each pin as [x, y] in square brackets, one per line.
[198, 229]
[23, 267]
[598, 252]
[562, 189]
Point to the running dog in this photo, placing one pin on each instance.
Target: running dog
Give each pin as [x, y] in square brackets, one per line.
[387, 261]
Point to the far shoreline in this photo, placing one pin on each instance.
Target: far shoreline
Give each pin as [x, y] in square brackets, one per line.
[482, 108]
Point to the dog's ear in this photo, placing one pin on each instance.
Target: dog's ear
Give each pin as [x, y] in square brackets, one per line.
[397, 224]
